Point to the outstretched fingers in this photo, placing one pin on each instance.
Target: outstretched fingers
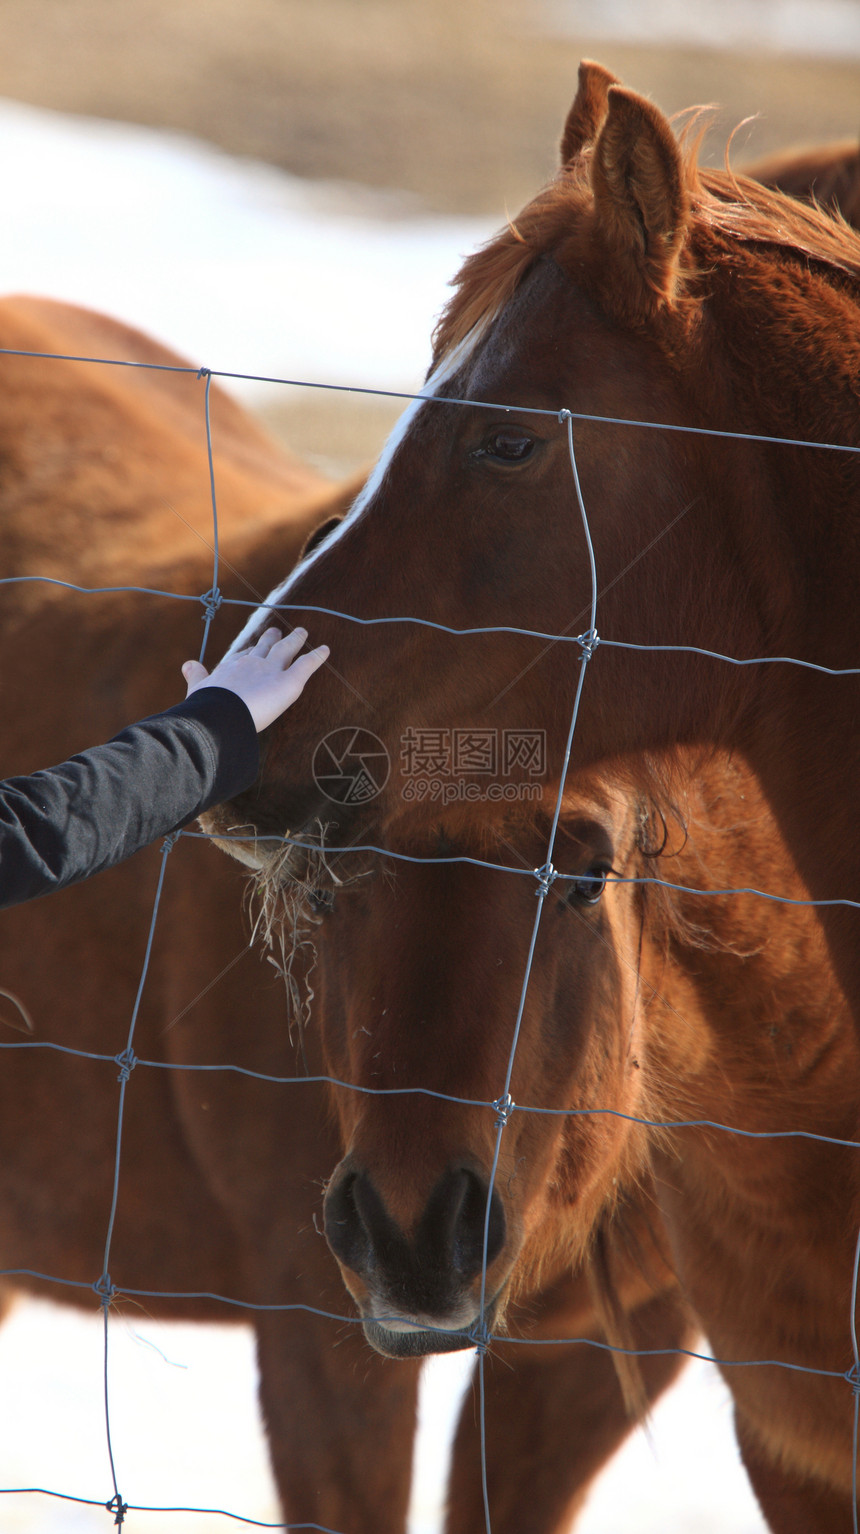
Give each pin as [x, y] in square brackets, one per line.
[268, 676]
[287, 645]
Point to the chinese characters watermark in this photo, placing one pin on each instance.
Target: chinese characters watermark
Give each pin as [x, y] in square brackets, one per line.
[352, 766]
[442, 765]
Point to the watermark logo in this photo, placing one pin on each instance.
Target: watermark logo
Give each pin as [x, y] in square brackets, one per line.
[442, 765]
[351, 765]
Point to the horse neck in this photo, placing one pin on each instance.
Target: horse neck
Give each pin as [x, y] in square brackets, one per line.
[808, 767]
[752, 993]
[788, 366]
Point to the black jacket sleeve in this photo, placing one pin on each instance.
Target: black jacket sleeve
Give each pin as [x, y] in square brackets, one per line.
[67, 822]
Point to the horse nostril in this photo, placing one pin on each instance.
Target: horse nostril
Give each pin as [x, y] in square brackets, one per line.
[358, 1227]
[345, 1230]
[426, 1270]
[496, 1228]
[462, 1215]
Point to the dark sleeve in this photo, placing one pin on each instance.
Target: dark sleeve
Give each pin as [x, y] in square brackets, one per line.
[71, 821]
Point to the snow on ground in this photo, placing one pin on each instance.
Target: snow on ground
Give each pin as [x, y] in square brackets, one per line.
[242, 267]
[822, 28]
[238, 265]
[186, 1433]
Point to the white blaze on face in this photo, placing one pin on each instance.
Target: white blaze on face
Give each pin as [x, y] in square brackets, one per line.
[246, 852]
[445, 370]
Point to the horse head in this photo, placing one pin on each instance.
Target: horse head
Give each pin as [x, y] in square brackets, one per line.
[595, 348]
[435, 1215]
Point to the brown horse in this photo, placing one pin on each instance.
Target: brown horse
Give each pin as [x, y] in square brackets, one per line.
[634, 289]
[645, 1008]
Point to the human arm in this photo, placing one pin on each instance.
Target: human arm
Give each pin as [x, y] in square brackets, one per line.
[67, 822]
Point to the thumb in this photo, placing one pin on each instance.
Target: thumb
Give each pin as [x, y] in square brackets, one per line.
[194, 672]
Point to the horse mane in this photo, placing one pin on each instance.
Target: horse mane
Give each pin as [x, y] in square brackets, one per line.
[729, 206]
[741, 210]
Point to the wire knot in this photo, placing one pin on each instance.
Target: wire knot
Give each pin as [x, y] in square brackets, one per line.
[504, 1107]
[564, 415]
[852, 1378]
[104, 1289]
[204, 372]
[545, 877]
[480, 1337]
[588, 643]
[120, 1508]
[170, 841]
[126, 1062]
[211, 600]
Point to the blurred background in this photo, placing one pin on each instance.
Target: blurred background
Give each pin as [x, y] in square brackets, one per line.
[284, 187]
[456, 101]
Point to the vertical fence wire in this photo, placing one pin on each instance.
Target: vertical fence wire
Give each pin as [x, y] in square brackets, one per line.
[126, 1061]
[854, 1377]
[545, 877]
[212, 598]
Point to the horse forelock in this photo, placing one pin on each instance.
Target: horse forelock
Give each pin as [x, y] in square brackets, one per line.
[490, 276]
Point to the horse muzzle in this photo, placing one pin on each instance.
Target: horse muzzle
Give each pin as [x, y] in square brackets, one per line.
[418, 1292]
[398, 1339]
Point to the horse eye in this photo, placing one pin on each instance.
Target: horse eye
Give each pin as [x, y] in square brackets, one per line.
[588, 889]
[321, 901]
[509, 446]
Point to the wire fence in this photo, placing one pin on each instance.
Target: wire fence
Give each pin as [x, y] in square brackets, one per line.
[545, 878]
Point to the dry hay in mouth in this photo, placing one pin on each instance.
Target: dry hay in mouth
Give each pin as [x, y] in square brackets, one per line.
[286, 900]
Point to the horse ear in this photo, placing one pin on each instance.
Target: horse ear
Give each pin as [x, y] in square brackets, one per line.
[318, 534]
[588, 111]
[640, 192]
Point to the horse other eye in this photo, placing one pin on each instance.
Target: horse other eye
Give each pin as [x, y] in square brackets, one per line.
[509, 446]
[588, 889]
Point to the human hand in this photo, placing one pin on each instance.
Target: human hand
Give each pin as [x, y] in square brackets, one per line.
[266, 676]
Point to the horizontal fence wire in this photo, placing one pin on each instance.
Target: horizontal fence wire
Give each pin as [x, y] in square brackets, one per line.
[503, 1107]
[442, 628]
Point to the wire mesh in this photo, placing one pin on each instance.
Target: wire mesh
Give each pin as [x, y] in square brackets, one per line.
[503, 1108]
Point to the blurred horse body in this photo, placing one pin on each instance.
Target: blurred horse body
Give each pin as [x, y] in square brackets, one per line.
[828, 175]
